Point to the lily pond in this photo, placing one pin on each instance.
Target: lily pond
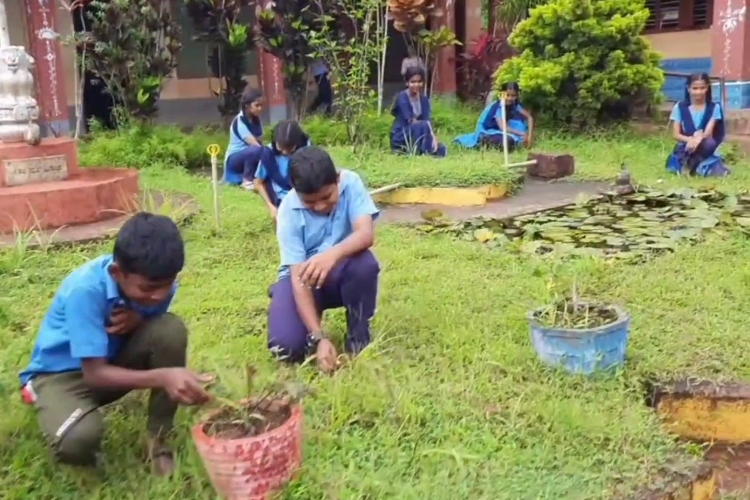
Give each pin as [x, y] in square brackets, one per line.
[633, 226]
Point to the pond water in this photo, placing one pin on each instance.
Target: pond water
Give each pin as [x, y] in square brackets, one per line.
[622, 227]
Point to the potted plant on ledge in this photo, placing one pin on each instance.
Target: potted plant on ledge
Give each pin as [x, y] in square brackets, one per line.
[580, 336]
[252, 448]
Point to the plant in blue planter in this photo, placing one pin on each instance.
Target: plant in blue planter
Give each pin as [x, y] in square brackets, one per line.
[580, 336]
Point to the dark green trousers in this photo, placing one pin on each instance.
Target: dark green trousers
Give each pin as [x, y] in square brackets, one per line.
[68, 410]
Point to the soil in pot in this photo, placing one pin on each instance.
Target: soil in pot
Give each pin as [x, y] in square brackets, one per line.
[571, 315]
[252, 419]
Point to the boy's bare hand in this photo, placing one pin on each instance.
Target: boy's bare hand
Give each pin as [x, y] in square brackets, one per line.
[326, 356]
[184, 386]
[315, 271]
[123, 321]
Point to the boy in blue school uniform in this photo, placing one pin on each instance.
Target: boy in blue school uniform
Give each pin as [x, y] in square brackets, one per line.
[325, 228]
[107, 332]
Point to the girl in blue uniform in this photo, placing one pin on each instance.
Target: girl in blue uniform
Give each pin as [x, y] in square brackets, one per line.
[490, 127]
[272, 177]
[698, 126]
[245, 141]
[412, 131]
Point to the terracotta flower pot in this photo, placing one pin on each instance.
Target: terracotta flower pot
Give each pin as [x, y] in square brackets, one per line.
[252, 468]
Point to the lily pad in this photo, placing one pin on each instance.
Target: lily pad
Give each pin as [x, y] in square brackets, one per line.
[619, 227]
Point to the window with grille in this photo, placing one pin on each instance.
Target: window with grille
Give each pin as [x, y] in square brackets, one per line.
[679, 15]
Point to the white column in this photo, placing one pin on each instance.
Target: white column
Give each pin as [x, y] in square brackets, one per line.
[4, 34]
[18, 108]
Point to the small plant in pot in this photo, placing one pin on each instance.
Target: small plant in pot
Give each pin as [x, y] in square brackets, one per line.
[580, 336]
[251, 448]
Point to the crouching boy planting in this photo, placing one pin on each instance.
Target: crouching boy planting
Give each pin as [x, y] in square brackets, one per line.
[325, 228]
[108, 332]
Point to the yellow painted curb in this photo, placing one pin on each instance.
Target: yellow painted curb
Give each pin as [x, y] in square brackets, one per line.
[706, 412]
[448, 196]
[707, 420]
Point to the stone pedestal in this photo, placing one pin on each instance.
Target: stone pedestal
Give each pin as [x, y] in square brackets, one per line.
[550, 165]
[42, 187]
[53, 160]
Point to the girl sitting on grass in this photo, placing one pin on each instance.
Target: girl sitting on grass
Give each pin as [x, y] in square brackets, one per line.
[698, 126]
[518, 123]
[412, 131]
[272, 177]
[245, 141]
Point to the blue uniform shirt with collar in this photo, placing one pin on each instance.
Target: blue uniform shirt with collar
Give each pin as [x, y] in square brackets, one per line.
[236, 143]
[75, 325]
[303, 233]
[262, 173]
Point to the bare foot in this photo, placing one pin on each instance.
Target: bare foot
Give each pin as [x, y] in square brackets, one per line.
[161, 457]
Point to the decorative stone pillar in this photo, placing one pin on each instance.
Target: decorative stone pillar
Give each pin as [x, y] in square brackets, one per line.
[445, 74]
[18, 108]
[730, 50]
[272, 81]
[41, 16]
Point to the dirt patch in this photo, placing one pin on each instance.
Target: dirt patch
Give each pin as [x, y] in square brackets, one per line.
[250, 420]
[573, 315]
[732, 464]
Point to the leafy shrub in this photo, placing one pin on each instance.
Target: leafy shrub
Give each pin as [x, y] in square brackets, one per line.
[228, 40]
[478, 65]
[132, 45]
[584, 62]
[143, 146]
[450, 119]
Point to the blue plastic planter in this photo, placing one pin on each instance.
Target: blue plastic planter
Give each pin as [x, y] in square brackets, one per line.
[582, 351]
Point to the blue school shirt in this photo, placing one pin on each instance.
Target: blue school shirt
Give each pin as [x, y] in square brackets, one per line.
[237, 143]
[75, 325]
[319, 68]
[697, 115]
[262, 173]
[302, 233]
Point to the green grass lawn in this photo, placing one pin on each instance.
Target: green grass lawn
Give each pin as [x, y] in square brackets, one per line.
[450, 402]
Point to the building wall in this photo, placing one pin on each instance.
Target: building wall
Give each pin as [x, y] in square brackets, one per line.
[682, 44]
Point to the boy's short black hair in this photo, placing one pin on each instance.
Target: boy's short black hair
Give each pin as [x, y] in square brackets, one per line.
[151, 246]
[311, 169]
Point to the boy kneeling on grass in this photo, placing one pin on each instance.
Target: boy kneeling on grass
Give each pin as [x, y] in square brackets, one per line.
[325, 227]
[108, 332]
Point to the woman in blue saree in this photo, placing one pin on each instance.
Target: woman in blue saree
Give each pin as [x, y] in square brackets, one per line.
[412, 131]
[272, 177]
[245, 141]
[518, 123]
[698, 126]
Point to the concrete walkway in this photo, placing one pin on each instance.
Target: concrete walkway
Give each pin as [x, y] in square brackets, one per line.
[536, 195]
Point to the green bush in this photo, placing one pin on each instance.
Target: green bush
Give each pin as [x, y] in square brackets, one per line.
[143, 146]
[584, 62]
[449, 118]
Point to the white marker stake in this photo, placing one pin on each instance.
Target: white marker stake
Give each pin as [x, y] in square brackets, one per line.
[508, 164]
[505, 132]
[214, 150]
